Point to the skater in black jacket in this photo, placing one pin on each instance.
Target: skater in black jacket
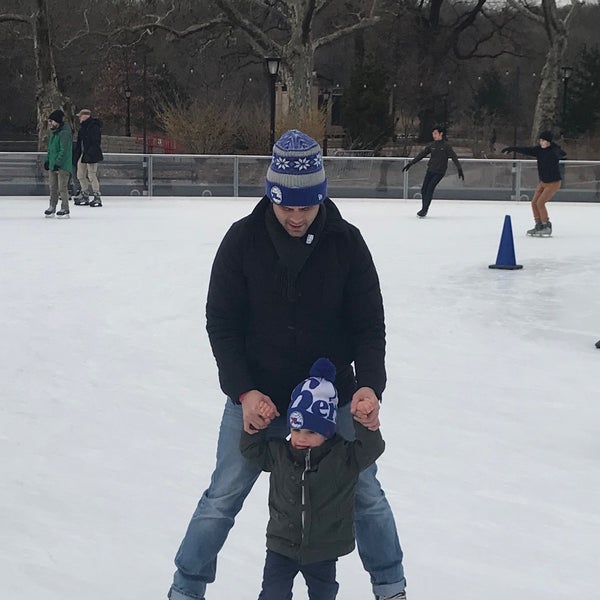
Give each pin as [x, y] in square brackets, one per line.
[440, 151]
[548, 154]
[312, 486]
[87, 154]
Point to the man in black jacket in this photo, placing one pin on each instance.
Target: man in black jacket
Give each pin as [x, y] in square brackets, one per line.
[440, 151]
[291, 282]
[87, 155]
[548, 155]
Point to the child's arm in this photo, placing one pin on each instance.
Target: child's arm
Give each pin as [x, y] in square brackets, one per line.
[256, 448]
[369, 445]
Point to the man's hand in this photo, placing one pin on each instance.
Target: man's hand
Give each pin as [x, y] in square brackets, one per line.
[365, 408]
[258, 411]
[461, 175]
[406, 167]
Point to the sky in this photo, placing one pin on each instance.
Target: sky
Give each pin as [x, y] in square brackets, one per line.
[110, 402]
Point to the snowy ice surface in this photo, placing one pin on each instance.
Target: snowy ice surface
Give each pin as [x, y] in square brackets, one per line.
[109, 400]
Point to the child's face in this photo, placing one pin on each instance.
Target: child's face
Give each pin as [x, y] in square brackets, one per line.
[305, 438]
[544, 143]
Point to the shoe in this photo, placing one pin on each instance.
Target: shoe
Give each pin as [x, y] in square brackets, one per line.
[81, 200]
[399, 596]
[96, 200]
[49, 212]
[63, 213]
[422, 213]
[546, 230]
[536, 229]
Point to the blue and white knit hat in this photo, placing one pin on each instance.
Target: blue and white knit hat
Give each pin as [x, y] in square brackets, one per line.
[315, 401]
[296, 176]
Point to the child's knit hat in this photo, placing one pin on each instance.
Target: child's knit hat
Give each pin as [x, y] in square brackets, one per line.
[315, 401]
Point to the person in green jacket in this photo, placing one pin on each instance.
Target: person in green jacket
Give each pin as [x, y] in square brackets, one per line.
[59, 163]
[312, 487]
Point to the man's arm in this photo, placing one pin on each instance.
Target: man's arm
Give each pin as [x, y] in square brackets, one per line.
[454, 157]
[226, 316]
[364, 314]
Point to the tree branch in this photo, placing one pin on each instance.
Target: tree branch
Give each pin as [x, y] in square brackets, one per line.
[525, 10]
[14, 18]
[336, 35]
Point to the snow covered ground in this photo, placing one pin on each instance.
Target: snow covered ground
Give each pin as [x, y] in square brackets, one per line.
[109, 400]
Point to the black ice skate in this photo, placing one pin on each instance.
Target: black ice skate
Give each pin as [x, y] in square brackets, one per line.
[96, 200]
[82, 199]
[545, 230]
[49, 212]
[63, 213]
[538, 227]
[422, 213]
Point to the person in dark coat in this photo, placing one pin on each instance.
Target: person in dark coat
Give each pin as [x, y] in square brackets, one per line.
[87, 155]
[439, 152]
[548, 155]
[291, 282]
[312, 487]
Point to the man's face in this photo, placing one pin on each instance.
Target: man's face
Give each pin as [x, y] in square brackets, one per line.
[53, 124]
[544, 143]
[437, 135]
[83, 118]
[296, 219]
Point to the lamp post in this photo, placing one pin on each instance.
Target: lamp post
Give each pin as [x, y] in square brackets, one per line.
[128, 115]
[273, 63]
[326, 95]
[566, 75]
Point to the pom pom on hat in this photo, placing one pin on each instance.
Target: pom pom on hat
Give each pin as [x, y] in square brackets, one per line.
[296, 176]
[57, 116]
[314, 401]
[324, 369]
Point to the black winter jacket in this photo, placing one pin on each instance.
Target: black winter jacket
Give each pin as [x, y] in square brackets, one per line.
[440, 152]
[263, 340]
[547, 160]
[312, 492]
[89, 140]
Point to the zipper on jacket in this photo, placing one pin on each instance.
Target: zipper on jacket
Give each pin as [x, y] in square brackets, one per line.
[306, 469]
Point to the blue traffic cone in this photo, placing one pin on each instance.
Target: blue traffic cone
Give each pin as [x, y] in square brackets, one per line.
[598, 344]
[506, 252]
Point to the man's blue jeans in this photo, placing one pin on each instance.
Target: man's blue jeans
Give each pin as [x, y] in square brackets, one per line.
[232, 480]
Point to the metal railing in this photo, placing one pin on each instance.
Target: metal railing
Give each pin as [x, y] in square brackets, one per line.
[155, 175]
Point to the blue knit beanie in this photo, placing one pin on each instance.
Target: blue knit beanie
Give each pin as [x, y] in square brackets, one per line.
[315, 401]
[296, 176]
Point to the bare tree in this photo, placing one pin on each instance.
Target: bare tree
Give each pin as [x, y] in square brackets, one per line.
[440, 34]
[48, 94]
[284, 28]
[557, 33]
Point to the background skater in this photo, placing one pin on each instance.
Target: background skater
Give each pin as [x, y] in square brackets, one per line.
[548, 155]
[88, 153]
[440, 151]
[58, 163]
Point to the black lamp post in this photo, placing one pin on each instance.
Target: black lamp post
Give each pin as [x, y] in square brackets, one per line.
[566, 75]
[273, 63]
[128, 115]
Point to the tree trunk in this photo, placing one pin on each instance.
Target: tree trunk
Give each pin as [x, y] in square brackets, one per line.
[547, 113]
[48, 94]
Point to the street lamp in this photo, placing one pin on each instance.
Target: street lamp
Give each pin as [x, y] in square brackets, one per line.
[128, 115]
[273, 63]
[325, 95]
[566, 75]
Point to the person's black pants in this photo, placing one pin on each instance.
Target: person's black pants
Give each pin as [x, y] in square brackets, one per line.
[280, 571]
[429, 183]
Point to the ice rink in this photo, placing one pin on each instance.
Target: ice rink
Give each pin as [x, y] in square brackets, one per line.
[109, 401]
